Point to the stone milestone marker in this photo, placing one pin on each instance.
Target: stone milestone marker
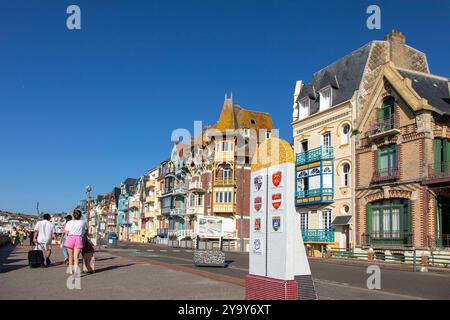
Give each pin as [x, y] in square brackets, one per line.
[279, 268]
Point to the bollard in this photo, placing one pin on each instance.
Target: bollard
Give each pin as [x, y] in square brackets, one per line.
[370, 255]
[328, 252]
[425, 258]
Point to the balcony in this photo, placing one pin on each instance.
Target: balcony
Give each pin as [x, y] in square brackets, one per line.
[318, 154]
[383, 175]
[318, 235]
[223, 181]
[387, 239]
[150, 184]
[195, 210]
[178, 212]
[315, 196]
[150, 198]
[151, 213]
[438, 173]
[196, 186]
[180, 189]
[384, 127]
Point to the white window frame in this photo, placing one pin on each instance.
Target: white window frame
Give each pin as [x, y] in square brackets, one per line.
[304, 220]
[322, 106]
[304, 103]
[326, 217]
[328, 133]
[345, 139]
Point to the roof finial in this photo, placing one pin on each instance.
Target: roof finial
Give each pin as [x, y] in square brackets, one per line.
[226, 96]
[231, 95]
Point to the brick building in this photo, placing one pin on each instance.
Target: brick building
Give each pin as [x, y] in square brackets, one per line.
[402, 153]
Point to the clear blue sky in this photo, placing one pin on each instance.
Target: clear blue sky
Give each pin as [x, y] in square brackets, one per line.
[98, 105]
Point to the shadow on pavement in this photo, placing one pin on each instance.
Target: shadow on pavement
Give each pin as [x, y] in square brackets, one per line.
[6, 253]
[108, 268]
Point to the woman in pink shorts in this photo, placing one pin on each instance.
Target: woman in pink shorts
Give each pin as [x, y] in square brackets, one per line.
[75, 230]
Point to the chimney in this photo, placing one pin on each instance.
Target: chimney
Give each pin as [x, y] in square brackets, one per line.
[395, 37]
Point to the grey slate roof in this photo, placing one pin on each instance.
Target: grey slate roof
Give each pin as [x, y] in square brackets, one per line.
[130, 181]
[344, 76]
[435, 89]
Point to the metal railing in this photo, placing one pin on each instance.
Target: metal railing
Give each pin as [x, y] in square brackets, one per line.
[386, 174]
[178, 212]
[439, 170]
[195, 185]
[383, 125]
[321, 153]
[387, 238]
[318, 235]
[224, 181]
[180, 189]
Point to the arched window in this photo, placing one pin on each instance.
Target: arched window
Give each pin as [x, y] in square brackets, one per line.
[345, 134]
[346, 174]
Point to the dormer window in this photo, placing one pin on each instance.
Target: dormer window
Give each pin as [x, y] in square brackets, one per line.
[253, 121]
[325, 98]
[304, 107]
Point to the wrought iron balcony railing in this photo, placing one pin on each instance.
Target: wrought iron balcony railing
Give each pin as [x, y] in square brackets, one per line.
[321, 153]
[386, 174]
[178, 212]
[318, 235]
[439, 170]
[383, 126]
[195, 185]
[387, 238]
[224, 181]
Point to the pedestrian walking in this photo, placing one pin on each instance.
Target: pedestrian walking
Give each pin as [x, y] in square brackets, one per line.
[44, 233]
[13, 236]
[63, 240]
[21, 234]
[75, 229]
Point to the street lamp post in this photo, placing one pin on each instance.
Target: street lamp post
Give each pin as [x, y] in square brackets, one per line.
[88, 190]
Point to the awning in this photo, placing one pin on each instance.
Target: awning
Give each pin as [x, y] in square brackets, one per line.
[341, 221]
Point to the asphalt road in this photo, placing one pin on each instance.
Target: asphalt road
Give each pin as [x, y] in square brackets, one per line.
[333, 280]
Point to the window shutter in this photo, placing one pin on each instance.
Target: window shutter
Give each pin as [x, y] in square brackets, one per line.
[437, 150]
[446, 149]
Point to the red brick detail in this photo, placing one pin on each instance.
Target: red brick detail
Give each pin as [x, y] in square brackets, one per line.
[265, 288]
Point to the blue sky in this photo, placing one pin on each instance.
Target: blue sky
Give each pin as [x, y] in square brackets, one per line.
[98, 105]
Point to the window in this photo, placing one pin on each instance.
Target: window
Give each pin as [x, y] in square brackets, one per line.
[387, 160]
[345, 134]
[346, 174]
[386, 115]
[304, 107]
[227, 173]
[326, 219]
[304, 220]
[268, 135]
[326, 139]
[325, 98]
[253, 121]
[304, 146]
[388, 219]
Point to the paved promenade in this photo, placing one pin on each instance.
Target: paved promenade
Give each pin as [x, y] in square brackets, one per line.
[117, 277]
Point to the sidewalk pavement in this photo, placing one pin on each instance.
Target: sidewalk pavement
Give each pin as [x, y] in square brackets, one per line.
[116, 277]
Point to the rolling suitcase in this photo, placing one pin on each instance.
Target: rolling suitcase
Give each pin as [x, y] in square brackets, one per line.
[36, 258]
